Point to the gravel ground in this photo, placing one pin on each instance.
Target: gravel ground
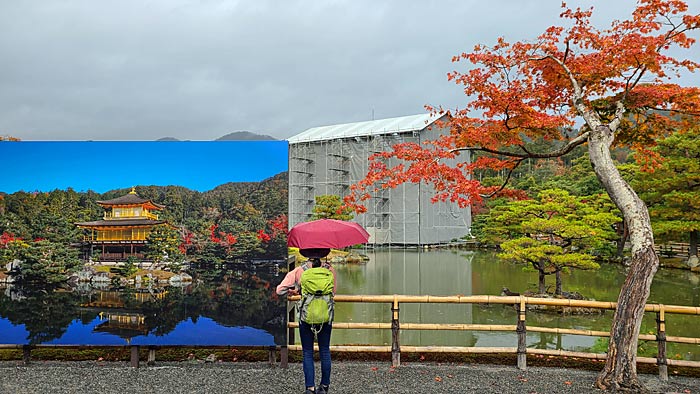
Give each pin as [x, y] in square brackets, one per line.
[347, 377]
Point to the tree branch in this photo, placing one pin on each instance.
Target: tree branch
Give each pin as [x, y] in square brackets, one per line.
[505, 182]
[579, 140]
[675, 111]
[578, 93]
[619, 113]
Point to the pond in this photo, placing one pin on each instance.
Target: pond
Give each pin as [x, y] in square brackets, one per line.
[231, 304]
[236, 304]
[399, 271]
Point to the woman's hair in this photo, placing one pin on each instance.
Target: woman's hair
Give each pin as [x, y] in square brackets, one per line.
[315, 262]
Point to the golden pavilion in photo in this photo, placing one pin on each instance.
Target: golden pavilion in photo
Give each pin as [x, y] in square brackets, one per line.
[122, 232]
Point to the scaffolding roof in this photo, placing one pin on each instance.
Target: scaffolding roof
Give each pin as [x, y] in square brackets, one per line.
[401, 124]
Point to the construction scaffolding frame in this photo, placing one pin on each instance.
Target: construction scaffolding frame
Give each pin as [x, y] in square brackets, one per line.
[301, 181]
[338, 167]
[328, 160]
[380, 212]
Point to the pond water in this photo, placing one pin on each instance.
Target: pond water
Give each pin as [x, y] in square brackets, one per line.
[398, 271]
[225, 305]
[236, 305]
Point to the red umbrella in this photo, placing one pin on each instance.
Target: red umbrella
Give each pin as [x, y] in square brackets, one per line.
[326, 233]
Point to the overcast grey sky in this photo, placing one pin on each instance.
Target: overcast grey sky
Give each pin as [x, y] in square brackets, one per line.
[200, 69]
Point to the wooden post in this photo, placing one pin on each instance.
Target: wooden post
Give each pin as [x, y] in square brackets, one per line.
[284, 357]
[290, 307]
[522, 336]
[151, 355]
[661, 341]
[395, 343]
[272, 355]
[291, 311]
[135, 356]
[284, 352]
[26, 354]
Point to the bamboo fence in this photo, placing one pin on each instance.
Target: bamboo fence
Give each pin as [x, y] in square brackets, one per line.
[521, 328]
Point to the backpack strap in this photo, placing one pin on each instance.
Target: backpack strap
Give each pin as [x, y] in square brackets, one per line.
[308, 265]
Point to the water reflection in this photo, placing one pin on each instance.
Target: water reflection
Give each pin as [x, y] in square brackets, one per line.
[397, 271]
[224, 305]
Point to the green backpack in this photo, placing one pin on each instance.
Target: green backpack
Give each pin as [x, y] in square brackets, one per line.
[316, 304]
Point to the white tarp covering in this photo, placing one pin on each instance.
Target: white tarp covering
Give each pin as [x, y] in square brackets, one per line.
[327, 160]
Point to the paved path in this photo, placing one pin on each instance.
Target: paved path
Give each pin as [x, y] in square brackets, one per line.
[347, 377]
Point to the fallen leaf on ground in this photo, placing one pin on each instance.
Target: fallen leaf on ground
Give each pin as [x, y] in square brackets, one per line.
[438, 379]
[567, 383]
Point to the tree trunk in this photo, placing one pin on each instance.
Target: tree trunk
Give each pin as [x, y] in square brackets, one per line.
[622, 240]
[620, 372]
[557, 290]
[693, 246]
[542, 288]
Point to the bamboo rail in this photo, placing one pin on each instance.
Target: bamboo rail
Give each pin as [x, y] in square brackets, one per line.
[673, 249]
[521, 303]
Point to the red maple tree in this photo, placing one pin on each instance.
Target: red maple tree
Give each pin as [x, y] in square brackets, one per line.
[605, 87]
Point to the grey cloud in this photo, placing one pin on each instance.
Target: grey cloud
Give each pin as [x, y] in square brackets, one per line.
[132, 69]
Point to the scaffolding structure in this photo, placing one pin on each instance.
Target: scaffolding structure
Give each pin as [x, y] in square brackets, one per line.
[329, 159]
[301, 183]
[380, 211]
[338, 164]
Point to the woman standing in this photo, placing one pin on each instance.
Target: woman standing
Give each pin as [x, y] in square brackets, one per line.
[292, 285]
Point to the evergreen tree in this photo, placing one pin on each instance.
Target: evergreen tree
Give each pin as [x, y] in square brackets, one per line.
[553, 233]
[672, 191]
[163, 244]
[42, 262]
[329, 206]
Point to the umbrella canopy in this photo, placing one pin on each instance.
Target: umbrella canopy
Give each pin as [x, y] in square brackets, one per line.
[326, 233]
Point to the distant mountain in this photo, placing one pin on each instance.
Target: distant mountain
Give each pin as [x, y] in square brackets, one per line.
[235, 136]
[245, 136]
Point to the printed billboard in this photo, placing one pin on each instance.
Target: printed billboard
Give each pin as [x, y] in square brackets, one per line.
[142, 243]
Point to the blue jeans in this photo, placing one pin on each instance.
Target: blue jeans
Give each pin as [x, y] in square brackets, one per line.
[324, 350]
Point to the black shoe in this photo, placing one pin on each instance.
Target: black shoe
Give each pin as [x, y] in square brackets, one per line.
[321, 389]
[309, 392]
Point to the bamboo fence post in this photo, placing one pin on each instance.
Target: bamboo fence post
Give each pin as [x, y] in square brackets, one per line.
[395, 346]
[290, 332]
[522, 336]
[661, 340]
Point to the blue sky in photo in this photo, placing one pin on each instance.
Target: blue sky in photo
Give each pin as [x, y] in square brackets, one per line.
[106, 165]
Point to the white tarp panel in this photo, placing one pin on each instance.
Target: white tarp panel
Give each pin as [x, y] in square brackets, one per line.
[401, 216]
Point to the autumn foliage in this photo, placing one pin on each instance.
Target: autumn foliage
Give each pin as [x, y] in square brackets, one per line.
[574, 84]
[523, 91]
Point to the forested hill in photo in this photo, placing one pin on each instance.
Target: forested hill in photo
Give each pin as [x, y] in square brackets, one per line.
[245, 213]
